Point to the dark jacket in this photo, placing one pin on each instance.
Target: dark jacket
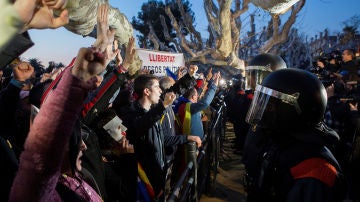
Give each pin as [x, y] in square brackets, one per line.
[171, 137]
[349, 71]
[146, 134]
[9, 97]
[11, 164]
[292, 165]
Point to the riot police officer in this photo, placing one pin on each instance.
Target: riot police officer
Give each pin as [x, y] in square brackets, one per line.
[290, 159]
[256, 70]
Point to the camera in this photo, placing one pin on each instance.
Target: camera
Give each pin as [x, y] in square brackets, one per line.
[181, 86]
[219, 100]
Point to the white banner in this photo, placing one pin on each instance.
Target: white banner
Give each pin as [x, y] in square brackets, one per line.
[158, 61]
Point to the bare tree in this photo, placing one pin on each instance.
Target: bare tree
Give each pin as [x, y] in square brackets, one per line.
[224, 26]
[350, 30]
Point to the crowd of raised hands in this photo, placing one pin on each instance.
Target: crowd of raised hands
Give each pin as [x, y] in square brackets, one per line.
[62, 107]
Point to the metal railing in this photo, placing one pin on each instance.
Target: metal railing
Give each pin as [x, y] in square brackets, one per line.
[207, 160]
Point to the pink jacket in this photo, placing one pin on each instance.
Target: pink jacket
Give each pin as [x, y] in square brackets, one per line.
[46, 144]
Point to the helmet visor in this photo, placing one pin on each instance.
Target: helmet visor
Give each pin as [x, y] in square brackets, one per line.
[264, 100]
[254, 75]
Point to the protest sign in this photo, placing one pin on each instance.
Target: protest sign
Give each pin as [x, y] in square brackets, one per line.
[158, 61]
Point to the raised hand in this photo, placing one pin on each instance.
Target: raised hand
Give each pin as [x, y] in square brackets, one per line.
[45, 76]
[126, 147]
[130, 53]
[330, 90]
[180, 72]
[111, 52]
[118, 57]
[209, 74]
[169, 99]
[89, 62]
[36, 14]
[23, 71]
[353, 106]
[56, 72]
[44, 18]
[216, 78]
[55, 4]
[25, 9]
[105, 36]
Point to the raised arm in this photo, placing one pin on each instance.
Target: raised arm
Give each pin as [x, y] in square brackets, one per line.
[105, 36]
[38, 15]
[209, 95]
[46, 145]
[9, 97]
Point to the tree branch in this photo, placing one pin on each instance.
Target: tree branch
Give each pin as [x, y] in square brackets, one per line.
[151, 37]
[211, 13]
[157, 43]
[175, 25]
[225, 44]
[235, 35]
[189, 25]
[165, 28]
[295, 10]
[280, 36]
[238, 11]
[166, 32]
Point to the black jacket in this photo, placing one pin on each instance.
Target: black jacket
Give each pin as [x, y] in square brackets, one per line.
[350, 69]
[9, 97]
[171, 138]
[271, 163]
[146, 134]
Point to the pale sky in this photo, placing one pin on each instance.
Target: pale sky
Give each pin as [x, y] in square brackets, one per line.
[61, 45]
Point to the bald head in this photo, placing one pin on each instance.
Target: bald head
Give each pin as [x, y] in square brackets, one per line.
[166, 82]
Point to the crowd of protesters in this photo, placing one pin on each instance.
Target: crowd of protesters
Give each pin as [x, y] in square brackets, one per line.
[89, 131]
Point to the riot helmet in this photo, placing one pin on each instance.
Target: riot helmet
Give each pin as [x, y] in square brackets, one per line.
[238, 82]
[260, 66]
[288, 99]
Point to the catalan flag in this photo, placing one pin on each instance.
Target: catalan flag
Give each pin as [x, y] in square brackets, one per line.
[142, 193]
[143, 177]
